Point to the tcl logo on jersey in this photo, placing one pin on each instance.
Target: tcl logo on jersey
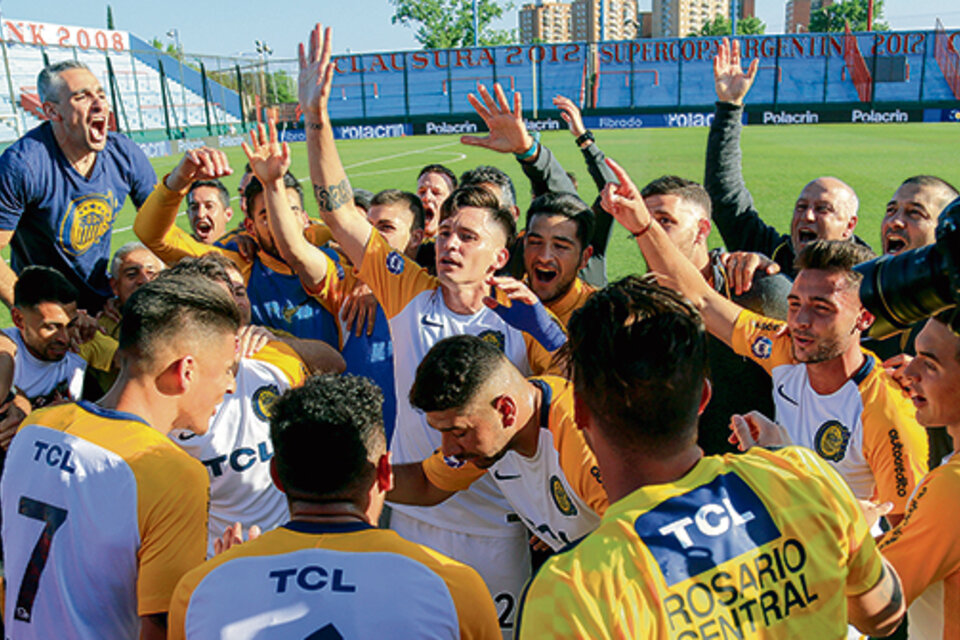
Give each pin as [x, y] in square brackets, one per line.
[700, 530]
[239, 459]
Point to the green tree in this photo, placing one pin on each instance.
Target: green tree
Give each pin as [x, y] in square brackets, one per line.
[447, 24]
[110, 17]
[281, 88]
[720, 26]
[835, 16]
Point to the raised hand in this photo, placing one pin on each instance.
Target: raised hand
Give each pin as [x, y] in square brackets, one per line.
[570, 113]
[525, 312]
[198, 164]
[741, 267]
[269, 160]
[508, 133]
[755, 429]
[623, 201]
[731, 82]
[316, 76]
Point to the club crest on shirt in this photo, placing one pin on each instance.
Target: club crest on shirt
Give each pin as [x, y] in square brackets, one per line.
[762, 347]
[831, 441]
[88, 219]
[560, 497]
[263, 399]
[496, 338]
[395, 263]
[453, 462]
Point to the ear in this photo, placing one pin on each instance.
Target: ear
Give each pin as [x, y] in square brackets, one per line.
[179, 376]
[515, 212]
[384, 473]
[50, 112]
[865, 320]
[17, 316]
[274, 476]
[506, 406]
[851, 225]
[113, 285]
[248, 225]
[705, 396]
[416, 238]
[501, 259]
[585, 256]
[704, 226]
[229, 213]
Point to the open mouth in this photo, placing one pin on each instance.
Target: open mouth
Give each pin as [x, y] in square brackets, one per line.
[98, 130]
[806, 235]
[894, 244]
[545, 276]
[801, 340]
[203, 227]
[447, 263]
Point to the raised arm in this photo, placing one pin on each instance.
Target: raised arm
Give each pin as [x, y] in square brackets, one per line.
[330, 184]
[508, 134]
[269, 161]
[623, 200]
[737, 220]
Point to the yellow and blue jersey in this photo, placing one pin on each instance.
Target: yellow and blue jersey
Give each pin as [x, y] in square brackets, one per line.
[760, 545]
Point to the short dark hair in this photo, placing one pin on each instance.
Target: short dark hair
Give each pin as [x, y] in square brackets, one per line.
[453, 371]
[442, 170]
[637, 353]
[485, 174]
[216, 184]
[174, 305]
[327, 435]
[362, 198]
[211, 266]
[409, 200]
[925, 180]
[254, 188]
[835, 255]
[567, 205]
[475, 196]
[38, 284]
[682, 188]
[951, 319]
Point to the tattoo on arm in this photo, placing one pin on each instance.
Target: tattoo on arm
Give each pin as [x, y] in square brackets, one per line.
[334, 196]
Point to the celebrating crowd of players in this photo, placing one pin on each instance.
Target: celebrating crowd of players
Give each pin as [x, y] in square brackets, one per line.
[706, 452]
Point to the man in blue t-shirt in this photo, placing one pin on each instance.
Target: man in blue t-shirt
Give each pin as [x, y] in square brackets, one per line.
[63, 184]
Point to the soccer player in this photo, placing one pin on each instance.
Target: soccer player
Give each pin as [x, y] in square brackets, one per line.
[766, 544]
[520, 430]
[208, 210]
[682, 209]
[102, 514]
[475, 230]
[830, 393]
[277, 298]
[555, 250]
[236, 448]
[434, 183]
[63, 184]
[826, 208]
[329, 572]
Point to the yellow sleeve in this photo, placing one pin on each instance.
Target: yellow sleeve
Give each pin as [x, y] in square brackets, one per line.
[173, 525]
[443, 476]
[282, 356]
[98, 351]
[894, 444]
[576, 458]
[864, 563]
[923, 547]
[394, 279]
[476, 612]
[156, 228]
[317, 233]
[540, 360]
[760, 339]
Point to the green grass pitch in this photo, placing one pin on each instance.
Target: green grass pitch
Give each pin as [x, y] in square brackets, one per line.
[778, 161]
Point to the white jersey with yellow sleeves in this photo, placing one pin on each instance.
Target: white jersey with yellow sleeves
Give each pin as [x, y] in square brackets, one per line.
[923, 549]
[45, 381]
[102, 515]
[332, 580]
[419, 318]
[760, 545]
[236, 449]
[557, 492]
[867, 429]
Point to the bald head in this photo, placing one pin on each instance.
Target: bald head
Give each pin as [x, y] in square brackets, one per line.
[825, 210]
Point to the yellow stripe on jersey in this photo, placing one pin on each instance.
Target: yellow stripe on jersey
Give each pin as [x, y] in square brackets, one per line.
[394, 279]
[173, 493]
[476, 613]
[282, 356]
[924, 551]
[762, 340]
[764, 544]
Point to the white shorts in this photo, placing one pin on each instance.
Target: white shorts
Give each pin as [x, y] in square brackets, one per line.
[503, 563]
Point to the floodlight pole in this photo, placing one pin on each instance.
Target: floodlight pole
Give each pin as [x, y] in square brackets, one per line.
[733, 17]
[476, 26]
[175, 34]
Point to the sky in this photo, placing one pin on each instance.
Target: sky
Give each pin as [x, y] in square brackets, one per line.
[230, 28]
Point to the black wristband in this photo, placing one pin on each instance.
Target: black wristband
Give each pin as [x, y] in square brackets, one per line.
[587, 135]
